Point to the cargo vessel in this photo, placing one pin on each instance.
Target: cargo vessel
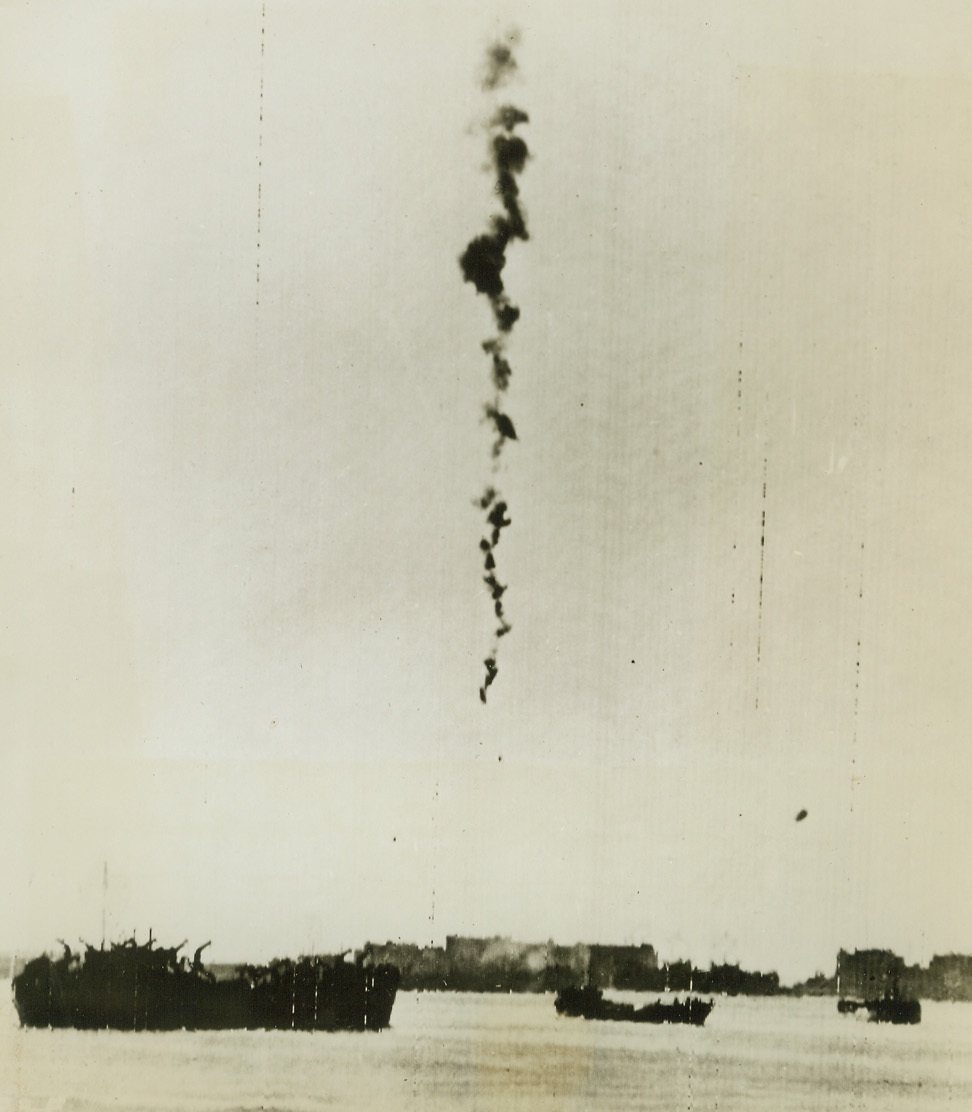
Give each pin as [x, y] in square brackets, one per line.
[890, 1008]
[870, 980]
[145, 987]
[589, 1003]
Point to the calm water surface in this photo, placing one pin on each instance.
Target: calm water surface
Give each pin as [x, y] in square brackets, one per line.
[463, 1051]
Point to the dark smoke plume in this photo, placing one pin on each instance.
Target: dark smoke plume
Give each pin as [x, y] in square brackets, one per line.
[482, 264]
[500, 63]
[504, 428]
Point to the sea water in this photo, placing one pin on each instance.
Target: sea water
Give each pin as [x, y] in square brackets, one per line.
[510, 1052]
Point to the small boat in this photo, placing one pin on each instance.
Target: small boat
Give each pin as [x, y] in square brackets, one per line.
[865, 973]
[589, 1003]
[893, 1009]
[890, 1008]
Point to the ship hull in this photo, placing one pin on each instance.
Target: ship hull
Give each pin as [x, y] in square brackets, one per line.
[136, 991]
[589, 1003]
[887, 1009]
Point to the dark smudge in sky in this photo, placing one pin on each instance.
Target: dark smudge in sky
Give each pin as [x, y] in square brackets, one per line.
[500, 63]
[482, 264]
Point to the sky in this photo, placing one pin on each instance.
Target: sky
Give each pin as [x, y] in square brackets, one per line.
[244, 622]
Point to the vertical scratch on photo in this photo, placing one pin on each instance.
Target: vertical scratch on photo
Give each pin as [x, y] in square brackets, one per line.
[762, 567]
[259, 197]
[739, 395]
[857, 677]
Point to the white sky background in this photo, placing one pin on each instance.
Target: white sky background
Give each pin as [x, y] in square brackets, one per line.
[243, 623]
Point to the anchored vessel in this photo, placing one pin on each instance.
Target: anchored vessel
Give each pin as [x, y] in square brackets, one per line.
[890, 1008]
[870, 980]
[148, 988]
[589, 1003]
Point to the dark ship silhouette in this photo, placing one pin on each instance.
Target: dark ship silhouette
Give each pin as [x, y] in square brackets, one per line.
[589, 1003]
[889, 1008]
[871, 980]
[141, 987]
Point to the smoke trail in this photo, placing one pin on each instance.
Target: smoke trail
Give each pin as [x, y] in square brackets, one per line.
[500, 63]
[482, 264]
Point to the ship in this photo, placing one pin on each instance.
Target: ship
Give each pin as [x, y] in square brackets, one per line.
[145, 987]
[889, 1008]
[589, 1003]
[870, 980]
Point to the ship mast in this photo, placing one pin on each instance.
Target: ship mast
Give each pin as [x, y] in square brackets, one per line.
[104, 901]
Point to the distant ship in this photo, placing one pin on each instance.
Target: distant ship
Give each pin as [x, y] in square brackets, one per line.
[589, 1003]
[890, 1008]
[142, 987]
[866, 973]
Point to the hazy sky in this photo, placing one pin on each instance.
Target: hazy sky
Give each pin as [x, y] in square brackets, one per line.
[243, 618]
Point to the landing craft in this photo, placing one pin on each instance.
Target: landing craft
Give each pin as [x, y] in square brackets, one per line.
[147, 988]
